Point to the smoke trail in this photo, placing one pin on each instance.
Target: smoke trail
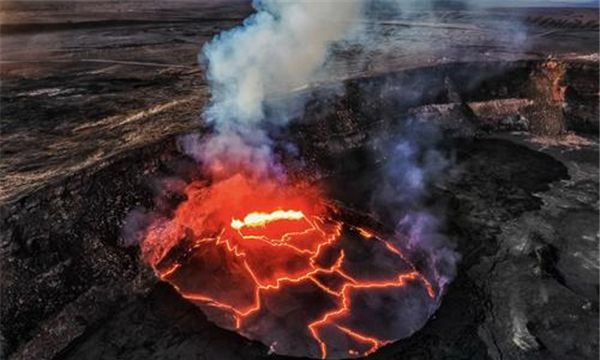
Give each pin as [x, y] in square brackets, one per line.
[412, 165]
[278, 49]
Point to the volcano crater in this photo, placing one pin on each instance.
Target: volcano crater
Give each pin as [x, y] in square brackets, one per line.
[497, 181]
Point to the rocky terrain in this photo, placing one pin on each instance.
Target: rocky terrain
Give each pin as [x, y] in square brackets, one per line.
[93, 98]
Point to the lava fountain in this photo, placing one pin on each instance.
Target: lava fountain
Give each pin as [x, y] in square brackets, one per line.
[276, 263]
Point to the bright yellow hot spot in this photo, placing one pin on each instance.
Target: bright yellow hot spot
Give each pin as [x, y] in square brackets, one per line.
[256, 219]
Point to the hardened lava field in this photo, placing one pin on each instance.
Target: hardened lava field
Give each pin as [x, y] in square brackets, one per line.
[96, 95]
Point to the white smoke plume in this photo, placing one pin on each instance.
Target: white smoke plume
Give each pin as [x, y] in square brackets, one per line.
[278, 49]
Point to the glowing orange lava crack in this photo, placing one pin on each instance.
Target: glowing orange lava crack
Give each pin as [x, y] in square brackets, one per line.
[262, 219]
[328, 318]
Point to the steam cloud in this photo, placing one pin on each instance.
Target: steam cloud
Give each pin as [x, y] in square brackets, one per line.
[278, 49]
[412, 166]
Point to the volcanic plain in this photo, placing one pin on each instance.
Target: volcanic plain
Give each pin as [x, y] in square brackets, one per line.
[95, 94]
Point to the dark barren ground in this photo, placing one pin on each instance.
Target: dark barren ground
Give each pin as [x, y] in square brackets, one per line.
[94, 93]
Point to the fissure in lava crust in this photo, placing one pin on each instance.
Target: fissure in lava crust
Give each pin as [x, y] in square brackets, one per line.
[276, 264]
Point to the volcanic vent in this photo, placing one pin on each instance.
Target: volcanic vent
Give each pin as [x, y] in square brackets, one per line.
[276, 258]
[280, 265]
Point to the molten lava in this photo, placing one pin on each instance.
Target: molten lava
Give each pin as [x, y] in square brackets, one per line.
[272, 263]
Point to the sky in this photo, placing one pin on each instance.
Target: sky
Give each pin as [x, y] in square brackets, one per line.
[541, 2]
